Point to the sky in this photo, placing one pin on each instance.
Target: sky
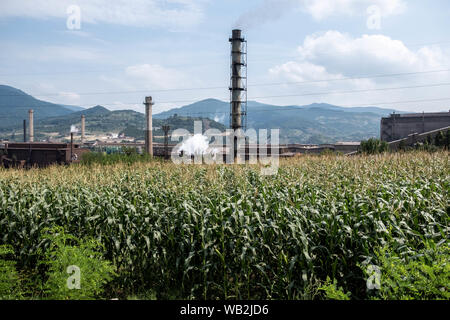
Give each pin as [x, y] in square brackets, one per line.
[386, 53]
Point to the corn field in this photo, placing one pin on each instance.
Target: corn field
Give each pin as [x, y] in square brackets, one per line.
[209, 232]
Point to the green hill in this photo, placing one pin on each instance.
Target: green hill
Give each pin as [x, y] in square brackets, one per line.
[315, 123]
[100, 121]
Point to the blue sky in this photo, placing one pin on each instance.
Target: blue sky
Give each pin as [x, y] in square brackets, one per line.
[126, 50]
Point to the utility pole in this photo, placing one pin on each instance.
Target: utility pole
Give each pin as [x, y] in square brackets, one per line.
[83, 127]
[24, 130]
[71, 146]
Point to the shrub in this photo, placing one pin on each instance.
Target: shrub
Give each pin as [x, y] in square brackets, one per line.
[67, 255]
[129, 151]
[9, 278]
[128, 157]
[374, 146]
[333, 292]
[424, 274]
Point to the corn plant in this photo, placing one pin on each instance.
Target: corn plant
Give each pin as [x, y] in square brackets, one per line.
[207, 232]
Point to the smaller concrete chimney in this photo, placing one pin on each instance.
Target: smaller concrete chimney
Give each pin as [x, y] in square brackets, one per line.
[83, 127]
[149, 128]
[31, 124]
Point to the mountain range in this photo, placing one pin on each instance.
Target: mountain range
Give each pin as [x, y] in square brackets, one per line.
[55, 120]
[315, 123]
[100, 120]
[14, 106]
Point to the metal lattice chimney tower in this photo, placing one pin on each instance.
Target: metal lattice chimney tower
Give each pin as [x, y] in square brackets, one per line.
[31, 124]
[149, 128]
[238, 81]
[83, 128]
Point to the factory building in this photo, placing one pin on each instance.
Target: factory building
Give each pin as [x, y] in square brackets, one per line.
[399, 126]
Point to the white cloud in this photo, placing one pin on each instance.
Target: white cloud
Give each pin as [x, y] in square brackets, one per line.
[61, 53]
[335, 55]
[69, 97]
[157, 77]
[167, 13]
[62, 97]
[151, 79]
[321, 9]
[303, 71]
[371, 53]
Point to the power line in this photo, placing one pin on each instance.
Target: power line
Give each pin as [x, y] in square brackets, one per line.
[47, 104]
[193, 65]
[251, 85]
[281, 108]
[118, 92]
[373, 103]
[352, 78]
[254, 61]
[328, 92]
[355, 91]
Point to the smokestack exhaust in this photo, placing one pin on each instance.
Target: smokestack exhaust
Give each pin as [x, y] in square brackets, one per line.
[83, 128]
[149, 128]
[31, 124]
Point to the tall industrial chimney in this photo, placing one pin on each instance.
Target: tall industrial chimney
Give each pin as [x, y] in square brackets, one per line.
[149, 128]
[238, 81]
[83, 127]
[238, 84]
[31, 124]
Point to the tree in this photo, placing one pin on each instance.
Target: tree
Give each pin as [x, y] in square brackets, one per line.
[442, 140]
[374, 146]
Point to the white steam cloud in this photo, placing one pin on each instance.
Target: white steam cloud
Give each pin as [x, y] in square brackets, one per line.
[73, 129]
[220, 119]
[197, 145]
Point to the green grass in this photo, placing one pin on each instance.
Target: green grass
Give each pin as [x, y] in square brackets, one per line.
[207, 232]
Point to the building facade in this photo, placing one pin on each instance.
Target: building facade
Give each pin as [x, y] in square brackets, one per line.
[399, 126]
